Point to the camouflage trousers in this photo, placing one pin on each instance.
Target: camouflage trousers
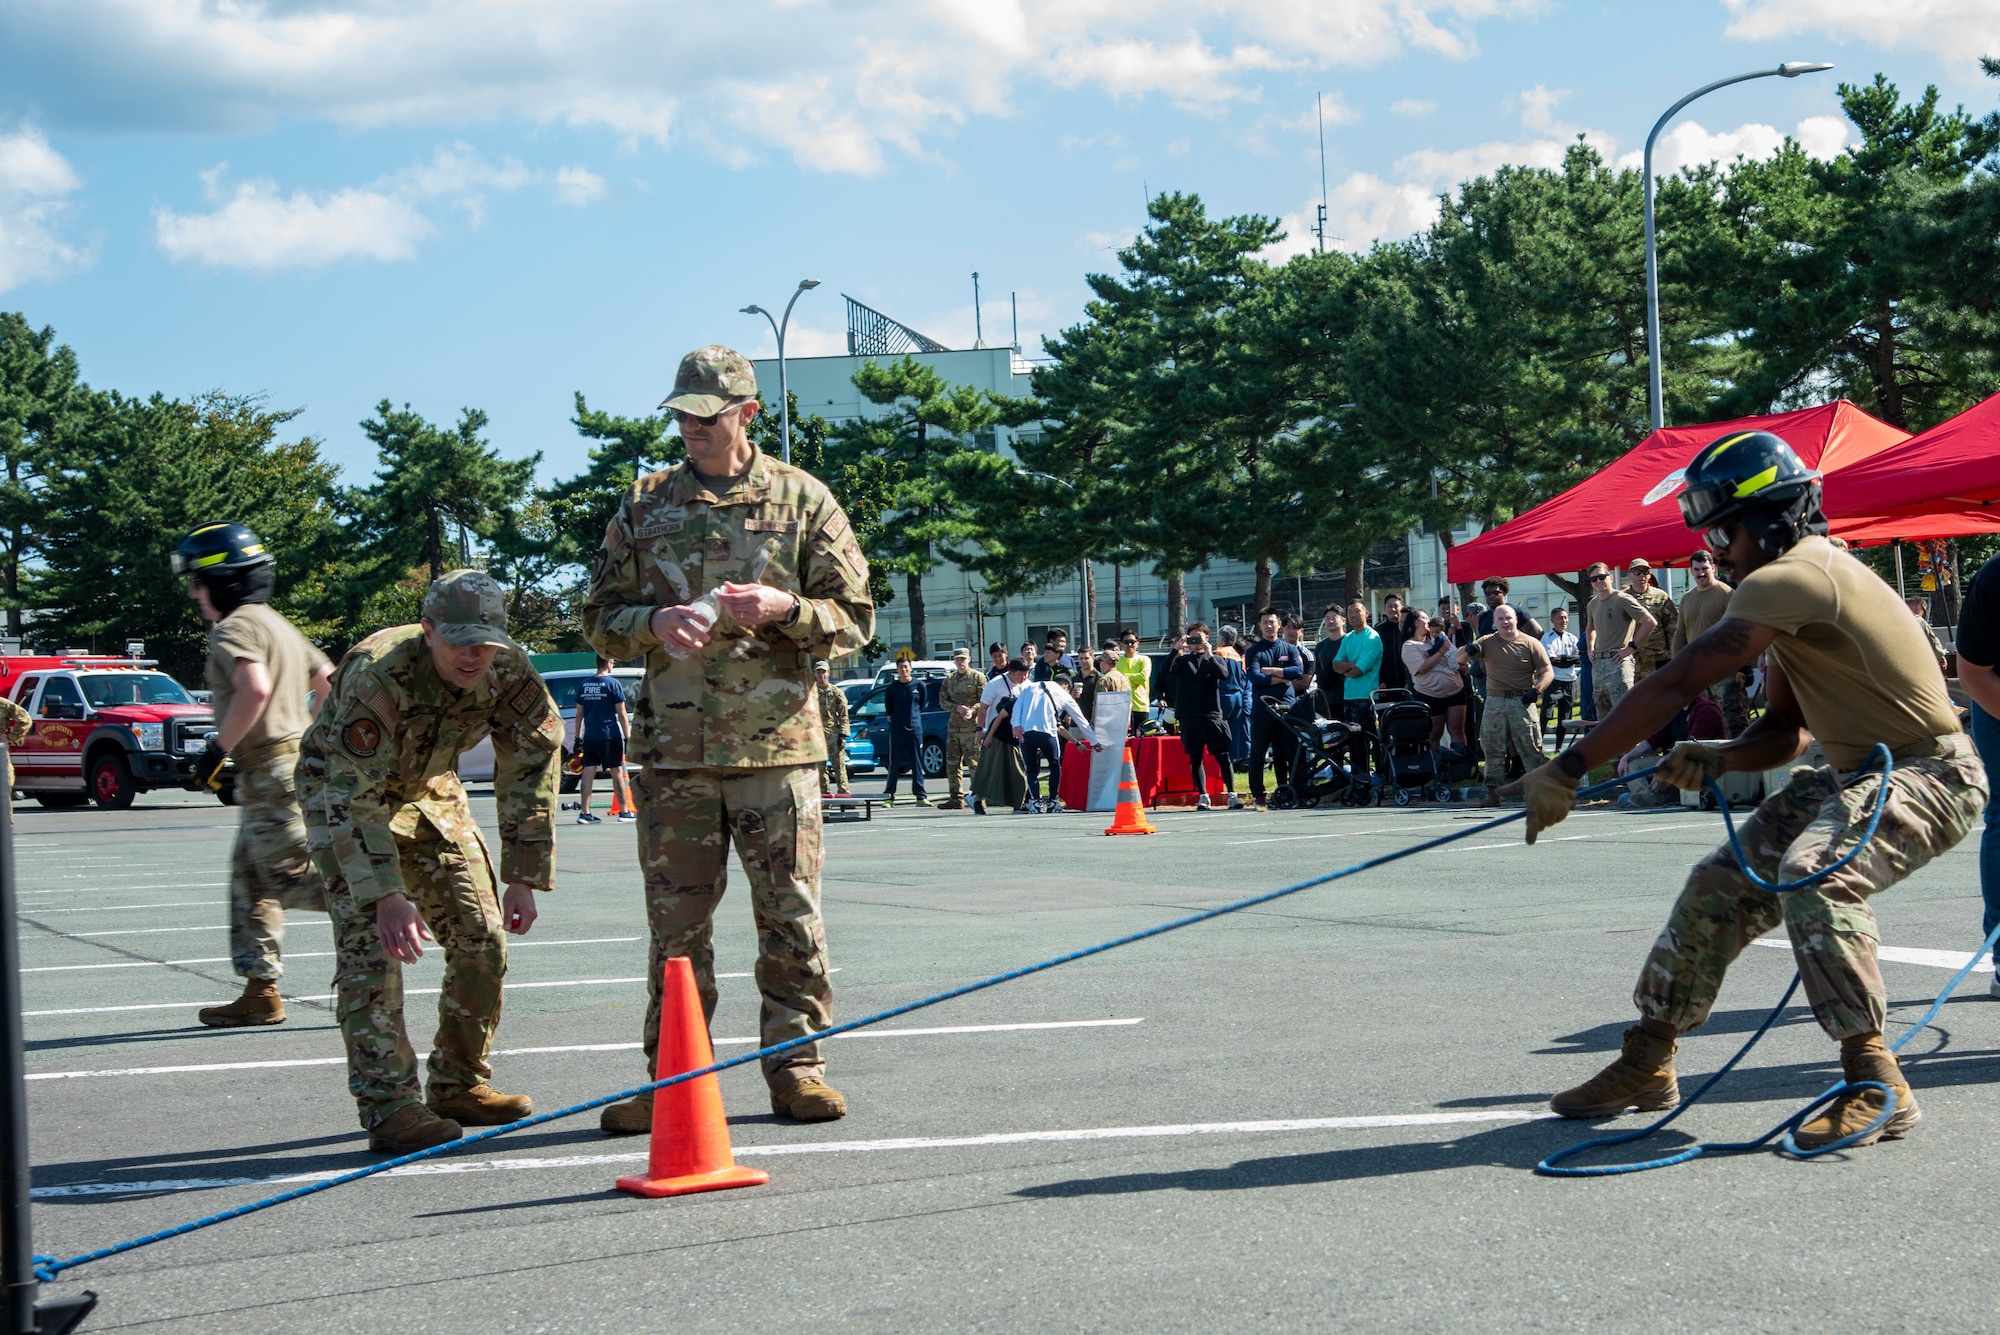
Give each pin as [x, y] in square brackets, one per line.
[455, 895]
[688, 819]
[1609, 680]
[961, 755]
[1506, 720]
[1734, 704]
[269, 869]
[835, 768]
[1809, 824]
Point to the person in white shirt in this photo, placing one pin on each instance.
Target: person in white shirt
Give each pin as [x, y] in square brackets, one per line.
[1562, 647]
[1039, 711]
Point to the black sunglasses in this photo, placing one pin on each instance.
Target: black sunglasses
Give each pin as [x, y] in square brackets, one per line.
[689, 419]
[1599, 579]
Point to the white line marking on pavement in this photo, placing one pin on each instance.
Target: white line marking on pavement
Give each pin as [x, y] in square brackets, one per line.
[512, 946]
[584, 1047]
[447, 1167]
[1935, 959]
[1572, 838]
[1343, 834]
[126, 908]
[218, 927]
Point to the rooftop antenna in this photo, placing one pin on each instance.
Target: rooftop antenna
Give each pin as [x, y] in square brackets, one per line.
[978, 330]
[1319, 228]
[1014, 304]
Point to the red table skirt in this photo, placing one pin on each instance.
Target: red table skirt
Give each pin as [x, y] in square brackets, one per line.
[1160, 762]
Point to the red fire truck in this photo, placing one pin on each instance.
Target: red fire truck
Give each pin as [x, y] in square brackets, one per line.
[105, 729]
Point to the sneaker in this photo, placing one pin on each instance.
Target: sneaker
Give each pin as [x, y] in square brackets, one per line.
[888, 799]
[1053, 807]
[585, 818]
[627, 817]
[923, 801]
[1260, 804]
[979, 807]
[1235, 802]
[1201, 803]
[1993, 988]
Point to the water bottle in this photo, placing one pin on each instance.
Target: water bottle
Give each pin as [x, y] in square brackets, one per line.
[702, 612]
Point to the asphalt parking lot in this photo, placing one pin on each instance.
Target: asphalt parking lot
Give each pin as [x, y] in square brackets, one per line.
[1318, 1114]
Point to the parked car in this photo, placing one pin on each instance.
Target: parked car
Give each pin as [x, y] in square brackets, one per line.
[476, 765]
[869, 720]
[923, 669]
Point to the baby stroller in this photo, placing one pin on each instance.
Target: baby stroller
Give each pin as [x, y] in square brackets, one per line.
[1403, 725]
[1317, 748]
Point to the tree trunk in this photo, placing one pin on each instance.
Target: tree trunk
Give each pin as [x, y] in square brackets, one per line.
[1948, 589]
[1262, 598]
[1575, 588]
[1177, 619]
[1888, 390]
[1357, 583]
[433, 543]
[1118, 597]
[919, 631]
[1088, 641]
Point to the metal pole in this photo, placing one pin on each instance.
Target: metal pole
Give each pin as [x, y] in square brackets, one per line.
[1901, 591]
[1791, 69]
[778, 330]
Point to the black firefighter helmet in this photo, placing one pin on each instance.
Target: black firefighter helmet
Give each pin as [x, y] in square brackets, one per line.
[1753, 478]
[219, 549]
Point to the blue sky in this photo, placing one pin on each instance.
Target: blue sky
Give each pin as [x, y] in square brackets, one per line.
[500, 202]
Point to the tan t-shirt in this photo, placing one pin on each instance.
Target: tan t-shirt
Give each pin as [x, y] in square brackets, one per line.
[1612, 619]
[1854, 656]
[1512, 668]
[1700, 609]
[254, 633]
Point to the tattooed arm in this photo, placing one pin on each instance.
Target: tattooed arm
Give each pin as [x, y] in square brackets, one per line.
[1726, 646]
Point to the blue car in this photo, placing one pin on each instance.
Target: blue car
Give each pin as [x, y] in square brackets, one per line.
[860, 755]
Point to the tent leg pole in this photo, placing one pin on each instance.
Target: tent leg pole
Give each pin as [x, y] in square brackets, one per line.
[1901, 592]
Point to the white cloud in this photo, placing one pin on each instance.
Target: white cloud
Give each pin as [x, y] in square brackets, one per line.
[1957, 31]
[1538, 106]
[258, 226]
[1689, 143]
[35, 185]
[836, 86]
[1413, 107]
[579, 186]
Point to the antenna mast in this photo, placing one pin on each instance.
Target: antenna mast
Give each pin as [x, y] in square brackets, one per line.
[1319, 228]
[978, 330]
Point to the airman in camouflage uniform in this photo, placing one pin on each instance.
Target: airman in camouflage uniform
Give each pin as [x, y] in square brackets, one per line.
[727, 727]
[960, 692]
[833, 713]
[1657, 647]
[19, 723]
[390, 829]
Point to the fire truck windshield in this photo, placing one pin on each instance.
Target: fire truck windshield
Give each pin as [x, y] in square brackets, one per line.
[108, 690]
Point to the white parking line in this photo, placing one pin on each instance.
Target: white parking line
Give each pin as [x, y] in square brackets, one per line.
[1572, 838]
[512, 946]
[1934, 959]
[447, 1167]
[218, 927]
[585, 1047]
[1343, 834]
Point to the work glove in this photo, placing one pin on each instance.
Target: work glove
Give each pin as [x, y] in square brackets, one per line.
[208, 765]
[1690, 765]
[1547, 792]
[1530, 697]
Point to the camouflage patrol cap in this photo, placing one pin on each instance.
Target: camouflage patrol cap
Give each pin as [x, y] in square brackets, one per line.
[468, 607]
[711, 379]
[821, 665]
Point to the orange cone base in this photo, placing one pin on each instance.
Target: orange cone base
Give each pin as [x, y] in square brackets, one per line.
[720, 1180]
[1136, 829]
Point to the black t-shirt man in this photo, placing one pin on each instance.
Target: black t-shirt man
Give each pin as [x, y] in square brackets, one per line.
[1198, 680]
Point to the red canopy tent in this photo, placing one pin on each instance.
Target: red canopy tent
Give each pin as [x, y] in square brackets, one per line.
[1627, 510]
[1951, 469]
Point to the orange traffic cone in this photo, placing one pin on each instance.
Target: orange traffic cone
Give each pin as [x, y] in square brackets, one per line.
[690, 1150]
[1130, 818]
[617, 791]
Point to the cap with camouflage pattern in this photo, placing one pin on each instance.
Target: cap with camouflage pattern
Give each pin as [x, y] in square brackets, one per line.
[711, 379]
[468, 607]
[821, 665]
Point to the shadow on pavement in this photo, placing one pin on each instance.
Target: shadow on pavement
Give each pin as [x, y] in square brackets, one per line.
[192, 1033]
[1515, 1145]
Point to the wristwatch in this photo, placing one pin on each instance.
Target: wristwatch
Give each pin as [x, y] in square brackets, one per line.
[798, 606]
[1572, 763]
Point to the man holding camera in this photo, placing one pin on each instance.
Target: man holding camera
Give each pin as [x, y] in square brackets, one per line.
[1561, 645]
[1201, 677]
[1517, 672]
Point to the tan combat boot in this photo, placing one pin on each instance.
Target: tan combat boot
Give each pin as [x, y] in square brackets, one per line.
[1641, 1079]
[483, 1105]
[1864, 1057]
[810, 1100]
[633, 1117]
[259, 1004]
[413, 1127]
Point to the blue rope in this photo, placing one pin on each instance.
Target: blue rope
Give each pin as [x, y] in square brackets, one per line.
[1787, 1128]
[49, 1271]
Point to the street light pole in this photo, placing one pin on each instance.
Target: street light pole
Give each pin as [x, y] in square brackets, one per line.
[1087, 632]
[1791, 69]
[778, 328]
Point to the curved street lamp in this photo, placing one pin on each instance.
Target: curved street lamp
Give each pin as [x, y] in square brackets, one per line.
[778, 328]
[1791, 69]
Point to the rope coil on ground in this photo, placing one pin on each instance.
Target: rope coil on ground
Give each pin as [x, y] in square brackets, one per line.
[1547, 1167]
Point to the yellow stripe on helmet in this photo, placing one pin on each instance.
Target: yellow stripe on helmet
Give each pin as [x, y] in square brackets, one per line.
[204, 561]
[1715, 450]
[1756, 482]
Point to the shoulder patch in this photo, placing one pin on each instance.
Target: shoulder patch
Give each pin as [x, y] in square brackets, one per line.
[835, 527]
[362, 737]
